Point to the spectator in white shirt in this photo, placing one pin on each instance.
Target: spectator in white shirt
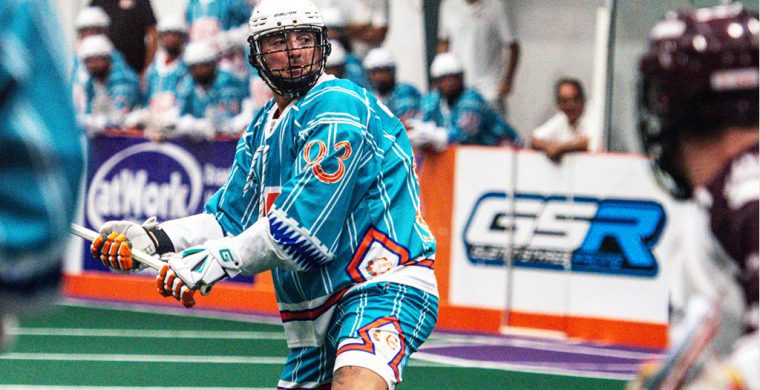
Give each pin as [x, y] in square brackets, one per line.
[479, 33]
[569, 130]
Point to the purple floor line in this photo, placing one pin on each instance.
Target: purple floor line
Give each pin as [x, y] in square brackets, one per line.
[534, 353]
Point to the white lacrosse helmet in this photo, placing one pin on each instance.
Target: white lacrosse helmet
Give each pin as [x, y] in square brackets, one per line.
[379, 58]
[200, 52]
[445, 64]
[281, 17]
[95, 46]
[337, 55]
[172, 23]
[92, 17]
[333, 17]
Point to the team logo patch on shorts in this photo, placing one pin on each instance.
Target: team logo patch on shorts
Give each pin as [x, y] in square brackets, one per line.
[376, 255]
[386, 339]
[382, 338]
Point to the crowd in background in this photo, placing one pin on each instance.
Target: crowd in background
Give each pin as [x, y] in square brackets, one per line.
[187, 75]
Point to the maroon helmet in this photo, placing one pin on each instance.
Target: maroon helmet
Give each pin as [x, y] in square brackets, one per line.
[699, 76]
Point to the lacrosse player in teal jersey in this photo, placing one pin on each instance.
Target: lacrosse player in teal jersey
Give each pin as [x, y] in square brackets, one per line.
[41, 157]
[323, 193]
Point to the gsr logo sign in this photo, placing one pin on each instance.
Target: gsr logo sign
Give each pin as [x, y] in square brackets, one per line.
[585, 234]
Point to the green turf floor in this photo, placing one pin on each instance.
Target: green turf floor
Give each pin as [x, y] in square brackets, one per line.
[97, 346]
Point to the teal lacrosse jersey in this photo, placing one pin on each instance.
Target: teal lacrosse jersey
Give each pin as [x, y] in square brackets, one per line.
[404, 101]
[162, 80]
[208, 17]
[219, 103]
[41, 153]
[470, 120]
[119, 94]
[334, 175]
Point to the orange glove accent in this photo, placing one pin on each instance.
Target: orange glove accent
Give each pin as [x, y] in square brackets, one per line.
[114, 251]
[160, 280]
[169, 285]
[118, 238]
[97, 246]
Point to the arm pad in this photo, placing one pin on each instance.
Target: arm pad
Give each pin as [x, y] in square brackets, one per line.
[193, 230]
[258, 251]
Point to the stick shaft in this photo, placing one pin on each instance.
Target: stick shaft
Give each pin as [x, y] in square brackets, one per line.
[89, 235]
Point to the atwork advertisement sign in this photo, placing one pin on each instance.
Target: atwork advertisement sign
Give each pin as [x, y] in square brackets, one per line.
[584, 237]
[130, 178]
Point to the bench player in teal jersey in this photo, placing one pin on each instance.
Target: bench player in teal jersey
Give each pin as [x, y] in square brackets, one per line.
[460, 114]
[402, 98]
[323, 193]
[219, 20]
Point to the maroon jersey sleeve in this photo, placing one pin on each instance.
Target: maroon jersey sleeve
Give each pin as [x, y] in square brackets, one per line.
[734, 217]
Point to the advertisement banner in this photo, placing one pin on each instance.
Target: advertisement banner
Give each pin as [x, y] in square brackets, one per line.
[131, 178]
[584, 237]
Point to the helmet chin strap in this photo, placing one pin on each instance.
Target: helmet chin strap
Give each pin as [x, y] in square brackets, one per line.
[293, 84]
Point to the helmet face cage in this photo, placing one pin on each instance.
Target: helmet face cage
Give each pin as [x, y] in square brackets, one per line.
[659, 138]
[280, 79]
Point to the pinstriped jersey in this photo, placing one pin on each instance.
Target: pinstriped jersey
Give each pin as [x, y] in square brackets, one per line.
[163, 78]
[334, 174]
[470, 120]
[219, 103]
[355, 71]
[117, 96]
[404, 101]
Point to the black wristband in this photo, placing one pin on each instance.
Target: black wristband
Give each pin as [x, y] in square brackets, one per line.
[160, 239]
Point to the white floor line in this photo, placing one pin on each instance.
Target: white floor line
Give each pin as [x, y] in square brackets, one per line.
[242, 335]
[172, 311]
[135, 333]
[437, 339]
[419, 359]
[535, 369]
[144, 358]
[168, 358]
[43, 387]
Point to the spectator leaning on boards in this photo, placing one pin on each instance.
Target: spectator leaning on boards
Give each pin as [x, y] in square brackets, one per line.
[572, 129]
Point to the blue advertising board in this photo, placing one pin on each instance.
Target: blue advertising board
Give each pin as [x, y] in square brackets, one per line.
[132, 178]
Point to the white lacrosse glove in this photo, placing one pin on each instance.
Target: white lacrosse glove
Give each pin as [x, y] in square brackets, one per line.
[117, 238]
[719, 377]
[199, 267]
[94, 124]
[196, 268]
[136, 118]
[166, 121]
[427, 134]
[240, 122]
[196, 128]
